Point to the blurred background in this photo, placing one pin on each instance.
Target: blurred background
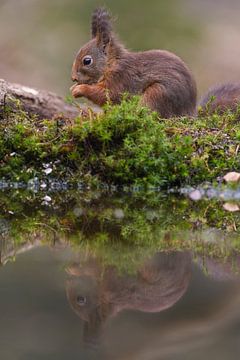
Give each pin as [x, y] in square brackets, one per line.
[39, 38]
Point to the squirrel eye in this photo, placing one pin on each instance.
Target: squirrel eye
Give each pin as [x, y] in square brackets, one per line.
[87, 60]
[81, 300]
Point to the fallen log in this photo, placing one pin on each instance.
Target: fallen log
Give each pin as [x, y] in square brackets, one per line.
[42, 103]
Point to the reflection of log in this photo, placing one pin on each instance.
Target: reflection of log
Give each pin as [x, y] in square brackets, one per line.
[43, 103]
[10, 252]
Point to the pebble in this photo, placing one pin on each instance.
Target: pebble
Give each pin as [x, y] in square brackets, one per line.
[232, 177]
[48, 171]
[231, 207]
[118, 213]
[195, 195]
[47, 198]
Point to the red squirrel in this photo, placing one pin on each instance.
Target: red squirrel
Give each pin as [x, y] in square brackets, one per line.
[104, 70]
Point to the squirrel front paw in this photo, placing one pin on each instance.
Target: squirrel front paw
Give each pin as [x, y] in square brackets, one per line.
[77, 90]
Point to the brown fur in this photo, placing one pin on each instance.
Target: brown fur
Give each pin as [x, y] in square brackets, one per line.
[221, 98]
[162, 78]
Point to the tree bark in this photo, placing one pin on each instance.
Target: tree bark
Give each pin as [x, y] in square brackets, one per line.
[42, 103]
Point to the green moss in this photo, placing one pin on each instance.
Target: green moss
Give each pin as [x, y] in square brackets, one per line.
[127, 144]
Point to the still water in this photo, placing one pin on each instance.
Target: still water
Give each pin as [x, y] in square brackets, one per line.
[106, 276]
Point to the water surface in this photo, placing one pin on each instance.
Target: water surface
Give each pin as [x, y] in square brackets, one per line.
[91, 275]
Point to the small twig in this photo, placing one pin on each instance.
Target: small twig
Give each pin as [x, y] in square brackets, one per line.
[237, 148]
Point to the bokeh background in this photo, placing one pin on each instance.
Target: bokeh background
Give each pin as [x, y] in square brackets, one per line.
[39, 38]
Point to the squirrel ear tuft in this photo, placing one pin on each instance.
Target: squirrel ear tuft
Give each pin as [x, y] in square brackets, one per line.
[101, 26]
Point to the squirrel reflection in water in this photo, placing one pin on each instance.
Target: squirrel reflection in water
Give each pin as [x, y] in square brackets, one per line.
[96, 293]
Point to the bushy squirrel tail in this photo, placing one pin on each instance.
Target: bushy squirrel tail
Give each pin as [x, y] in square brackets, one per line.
[220, 98]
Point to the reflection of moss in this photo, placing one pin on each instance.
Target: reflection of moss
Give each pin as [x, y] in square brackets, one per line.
[125, 145]
[147, 223]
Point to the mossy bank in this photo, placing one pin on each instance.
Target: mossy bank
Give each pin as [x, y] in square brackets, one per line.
[124, 145]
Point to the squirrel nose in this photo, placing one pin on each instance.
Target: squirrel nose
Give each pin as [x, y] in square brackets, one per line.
[74, 72]
[74, 77]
